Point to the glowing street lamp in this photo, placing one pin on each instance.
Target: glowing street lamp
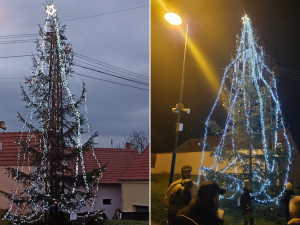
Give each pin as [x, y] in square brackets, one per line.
[175, 19]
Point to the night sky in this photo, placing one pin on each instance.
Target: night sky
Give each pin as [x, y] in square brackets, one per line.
[213, 27]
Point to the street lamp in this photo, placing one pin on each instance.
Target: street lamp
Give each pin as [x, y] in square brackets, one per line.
[175, 19]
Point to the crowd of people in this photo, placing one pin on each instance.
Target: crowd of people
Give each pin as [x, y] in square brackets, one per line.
[189, 204]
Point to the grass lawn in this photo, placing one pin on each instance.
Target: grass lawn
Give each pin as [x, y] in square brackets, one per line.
[126, 222]
[264, 214]
[107, 222]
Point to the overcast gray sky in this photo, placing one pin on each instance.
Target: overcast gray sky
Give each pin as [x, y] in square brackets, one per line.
[115, 32]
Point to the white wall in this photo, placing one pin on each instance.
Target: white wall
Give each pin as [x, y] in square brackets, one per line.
[134, 193]
[107, 191]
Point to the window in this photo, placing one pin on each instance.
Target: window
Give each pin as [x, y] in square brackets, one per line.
[106, 201]
[0, 145]
[139, 208]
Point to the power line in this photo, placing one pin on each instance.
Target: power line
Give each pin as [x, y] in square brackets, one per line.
[10, 83]
[7, 78]
[113, 82]
[14, 56]
[91, 60]
[288, 70]
[96, 15]
[99, 71]
[111, 66]
[79, 74]
[102, 14]
[17, 36]
[116, 73]
[85, 67]
[287, 77]
[96, 78]
[18, 41]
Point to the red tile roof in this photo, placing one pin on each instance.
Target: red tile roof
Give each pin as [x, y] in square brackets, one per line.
[139, 168]
[117, 161]
[9, 152]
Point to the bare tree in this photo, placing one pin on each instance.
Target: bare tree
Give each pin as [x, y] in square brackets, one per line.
[138, 139]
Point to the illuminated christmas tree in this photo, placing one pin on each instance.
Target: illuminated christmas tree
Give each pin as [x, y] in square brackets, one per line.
[52, 145]
[249, 138]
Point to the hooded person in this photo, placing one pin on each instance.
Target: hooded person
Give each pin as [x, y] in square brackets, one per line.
[246, 207]
[203, 210]
[285, 200]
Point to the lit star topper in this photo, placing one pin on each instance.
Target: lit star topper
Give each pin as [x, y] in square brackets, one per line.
[50, 9]
[245, 19]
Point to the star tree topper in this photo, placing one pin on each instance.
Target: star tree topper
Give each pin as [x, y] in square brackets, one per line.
[50, 9]
[246, 20]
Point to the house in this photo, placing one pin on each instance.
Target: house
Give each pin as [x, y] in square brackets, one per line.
[125, 168]
[135, 188]
[190, 152]
[125, 182]
[8, 158]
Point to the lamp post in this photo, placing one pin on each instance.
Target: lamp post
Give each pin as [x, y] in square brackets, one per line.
[175, 19]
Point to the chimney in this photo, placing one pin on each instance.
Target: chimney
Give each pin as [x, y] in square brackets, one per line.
[128, 145]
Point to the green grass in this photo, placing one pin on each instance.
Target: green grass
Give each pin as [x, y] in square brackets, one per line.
[125, 222]
[264, 214]
[2, 212]
[159, 186]
[107, 222]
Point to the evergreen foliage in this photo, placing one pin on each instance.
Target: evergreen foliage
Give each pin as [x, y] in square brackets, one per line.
[253, 125]
[57, 183]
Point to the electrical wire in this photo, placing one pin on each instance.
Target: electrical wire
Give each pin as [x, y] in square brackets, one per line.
[110, 66]
[99, 71]
[18, 41]
[116, 73]
[104, 14]
[85, 67]
[18, 36]
[113, 82]
[79, 74]
[14, 56]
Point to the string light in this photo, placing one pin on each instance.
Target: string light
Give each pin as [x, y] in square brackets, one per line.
[40, 185]
[246, 77]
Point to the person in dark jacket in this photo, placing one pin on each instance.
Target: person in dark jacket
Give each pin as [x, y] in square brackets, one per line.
[203, 210]
[286, 199]
[180, 198]
[294, 207]
[246, 208]
[186, 172]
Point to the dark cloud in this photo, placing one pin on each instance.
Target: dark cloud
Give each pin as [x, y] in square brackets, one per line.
[120, 39]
